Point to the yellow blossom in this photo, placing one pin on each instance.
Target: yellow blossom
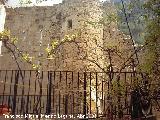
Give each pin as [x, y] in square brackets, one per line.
[14, 40]
[34, 66]
[48, 50]
[54, 44]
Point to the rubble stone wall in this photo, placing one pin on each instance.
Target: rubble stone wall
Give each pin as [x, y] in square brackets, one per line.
[39, 25]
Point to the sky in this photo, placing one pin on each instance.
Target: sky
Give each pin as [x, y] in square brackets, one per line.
[48, 2]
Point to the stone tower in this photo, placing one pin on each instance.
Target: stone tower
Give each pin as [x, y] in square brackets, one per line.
[82, 16]
[85, 54]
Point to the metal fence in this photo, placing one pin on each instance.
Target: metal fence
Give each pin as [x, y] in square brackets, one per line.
[65, 92]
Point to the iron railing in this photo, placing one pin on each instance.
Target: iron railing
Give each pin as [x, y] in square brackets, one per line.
[65, 92]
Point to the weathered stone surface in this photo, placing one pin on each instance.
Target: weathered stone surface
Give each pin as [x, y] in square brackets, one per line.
[35, 25]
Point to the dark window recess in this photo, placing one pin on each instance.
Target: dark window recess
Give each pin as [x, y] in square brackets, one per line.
[37, 21]
[59, 16]
[70, 24]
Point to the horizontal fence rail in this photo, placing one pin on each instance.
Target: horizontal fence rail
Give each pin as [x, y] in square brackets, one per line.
[66, 92]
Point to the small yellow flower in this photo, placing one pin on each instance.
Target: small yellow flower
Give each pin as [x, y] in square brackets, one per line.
[63, 40]
[66, 36]
[25, 57]
[50, 57]
[14, 40]
[69, 39]
[48, 50]
[34, 66]
[73, 36]
[54, 44]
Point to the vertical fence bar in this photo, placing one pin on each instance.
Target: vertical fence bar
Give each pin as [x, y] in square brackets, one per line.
[30, 102]
[73, 93]
[54, 77]
[97, 94]
[90, 82]
[105, 94]
[63, 104]
[120, 112]
[102, 95]
[47, 92]
[66, 97]
[10, 90]
[15, 92]
[27, 107]
[35, 90]
[108, 92]
[50, 93]
[22, 99]
[125, 77]
[66, 104]
[59, 103]
[60, 94]
[79, 102]
[41, 93]
[48, 107]
[85, 95]
[34, 97]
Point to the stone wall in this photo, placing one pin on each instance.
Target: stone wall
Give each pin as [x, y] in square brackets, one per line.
[31, 25]
[35, 25]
